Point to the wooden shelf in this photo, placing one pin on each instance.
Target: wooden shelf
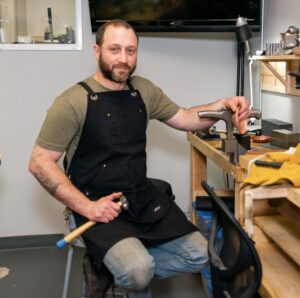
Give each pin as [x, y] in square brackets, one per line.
[282, 231]
[281, 275]
[275, 73]
[276, 58]
[294, 196]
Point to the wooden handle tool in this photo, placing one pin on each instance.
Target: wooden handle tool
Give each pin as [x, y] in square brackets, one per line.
[62, 243]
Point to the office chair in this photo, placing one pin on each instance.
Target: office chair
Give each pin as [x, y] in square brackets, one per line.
[235, 266]
[162, 185]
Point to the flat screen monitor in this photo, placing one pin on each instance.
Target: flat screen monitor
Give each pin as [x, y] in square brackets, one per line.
[177, 15]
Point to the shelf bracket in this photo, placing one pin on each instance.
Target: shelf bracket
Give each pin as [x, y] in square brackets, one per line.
[274, 71]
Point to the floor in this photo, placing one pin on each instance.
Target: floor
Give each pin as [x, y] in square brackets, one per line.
[39, 272]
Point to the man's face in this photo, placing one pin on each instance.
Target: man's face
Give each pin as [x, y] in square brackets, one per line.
[118, 54]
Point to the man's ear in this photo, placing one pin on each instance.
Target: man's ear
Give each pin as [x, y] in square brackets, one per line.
[97, 51]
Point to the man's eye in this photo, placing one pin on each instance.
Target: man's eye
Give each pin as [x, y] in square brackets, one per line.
[131, 51]
[114, 50]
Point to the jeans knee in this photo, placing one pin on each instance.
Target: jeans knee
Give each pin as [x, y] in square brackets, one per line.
[200, 260]
[137, 275]
[198, 256]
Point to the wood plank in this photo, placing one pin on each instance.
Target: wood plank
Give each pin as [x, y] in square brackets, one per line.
[276, 70]
[276, 58]
[273, 76]
[266, 291]
[294, 196]
[292, 67]
[282, 231]
[288, 210]
[219, 192]
[198, 168]
[208, 148]
[281, 276]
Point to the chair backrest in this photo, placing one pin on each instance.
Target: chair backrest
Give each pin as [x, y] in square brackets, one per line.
[235, 265]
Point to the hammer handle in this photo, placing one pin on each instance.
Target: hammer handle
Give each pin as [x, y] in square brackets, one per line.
[62, 243]
[77, 232]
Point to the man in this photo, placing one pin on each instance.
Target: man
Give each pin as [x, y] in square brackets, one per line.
[101, 125]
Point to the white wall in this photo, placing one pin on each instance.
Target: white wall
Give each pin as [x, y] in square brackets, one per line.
[191, 68]
[29, 81]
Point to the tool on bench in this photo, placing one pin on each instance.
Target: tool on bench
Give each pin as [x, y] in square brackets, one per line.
[62, 243]
[208, 133]
[268, 164]
[230, 145]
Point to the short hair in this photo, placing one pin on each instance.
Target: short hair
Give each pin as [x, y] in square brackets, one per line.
[115, 23]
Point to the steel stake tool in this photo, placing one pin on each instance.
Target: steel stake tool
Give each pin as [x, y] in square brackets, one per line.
[62, 243]
[230, 145]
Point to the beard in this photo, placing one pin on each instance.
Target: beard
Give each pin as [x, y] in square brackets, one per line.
[116, 76]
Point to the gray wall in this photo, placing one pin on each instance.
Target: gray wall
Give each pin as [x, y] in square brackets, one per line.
[191, 68]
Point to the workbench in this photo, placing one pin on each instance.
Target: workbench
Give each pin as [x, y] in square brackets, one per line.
[276, 228]
[201, 151]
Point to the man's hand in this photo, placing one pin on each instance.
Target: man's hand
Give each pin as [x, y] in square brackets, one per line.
[104, 209]
[240, 108]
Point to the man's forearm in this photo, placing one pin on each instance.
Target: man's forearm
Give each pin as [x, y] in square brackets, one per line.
[194, 123]
[48, 183]
[56, 183]
[188, 119]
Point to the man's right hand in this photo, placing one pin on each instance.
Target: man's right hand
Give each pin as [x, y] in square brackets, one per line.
[104, 209]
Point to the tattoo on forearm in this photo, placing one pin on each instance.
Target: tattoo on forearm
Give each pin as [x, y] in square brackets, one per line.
[42, 171]
[46, 182]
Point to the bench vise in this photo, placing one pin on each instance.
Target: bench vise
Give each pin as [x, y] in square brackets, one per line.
[230, 145]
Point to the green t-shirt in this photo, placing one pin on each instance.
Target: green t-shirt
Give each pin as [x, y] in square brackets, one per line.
[62, 127]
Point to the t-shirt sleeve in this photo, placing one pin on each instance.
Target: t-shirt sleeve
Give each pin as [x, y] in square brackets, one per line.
[61, 125]
[159, 105]
[162, 107]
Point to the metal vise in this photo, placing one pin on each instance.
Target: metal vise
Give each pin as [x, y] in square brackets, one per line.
[230, 145]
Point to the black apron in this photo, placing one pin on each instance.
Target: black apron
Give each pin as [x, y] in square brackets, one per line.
[111, 157]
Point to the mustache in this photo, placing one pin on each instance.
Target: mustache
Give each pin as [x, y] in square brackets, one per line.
[122, 65]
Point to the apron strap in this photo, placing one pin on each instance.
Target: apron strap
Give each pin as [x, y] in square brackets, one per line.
[94, 95]
[91, 93]
[130, 85]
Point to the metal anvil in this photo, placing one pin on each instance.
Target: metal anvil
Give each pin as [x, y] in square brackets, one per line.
[230, 145]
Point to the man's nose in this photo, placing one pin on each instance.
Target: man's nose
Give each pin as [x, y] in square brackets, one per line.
[123, 56]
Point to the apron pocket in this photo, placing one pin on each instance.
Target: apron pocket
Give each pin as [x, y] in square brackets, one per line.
[111, 177]
[129, 126]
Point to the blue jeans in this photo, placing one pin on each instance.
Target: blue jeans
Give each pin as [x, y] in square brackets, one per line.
[133, 265]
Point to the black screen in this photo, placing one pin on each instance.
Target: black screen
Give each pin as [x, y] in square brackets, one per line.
[177, 15]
